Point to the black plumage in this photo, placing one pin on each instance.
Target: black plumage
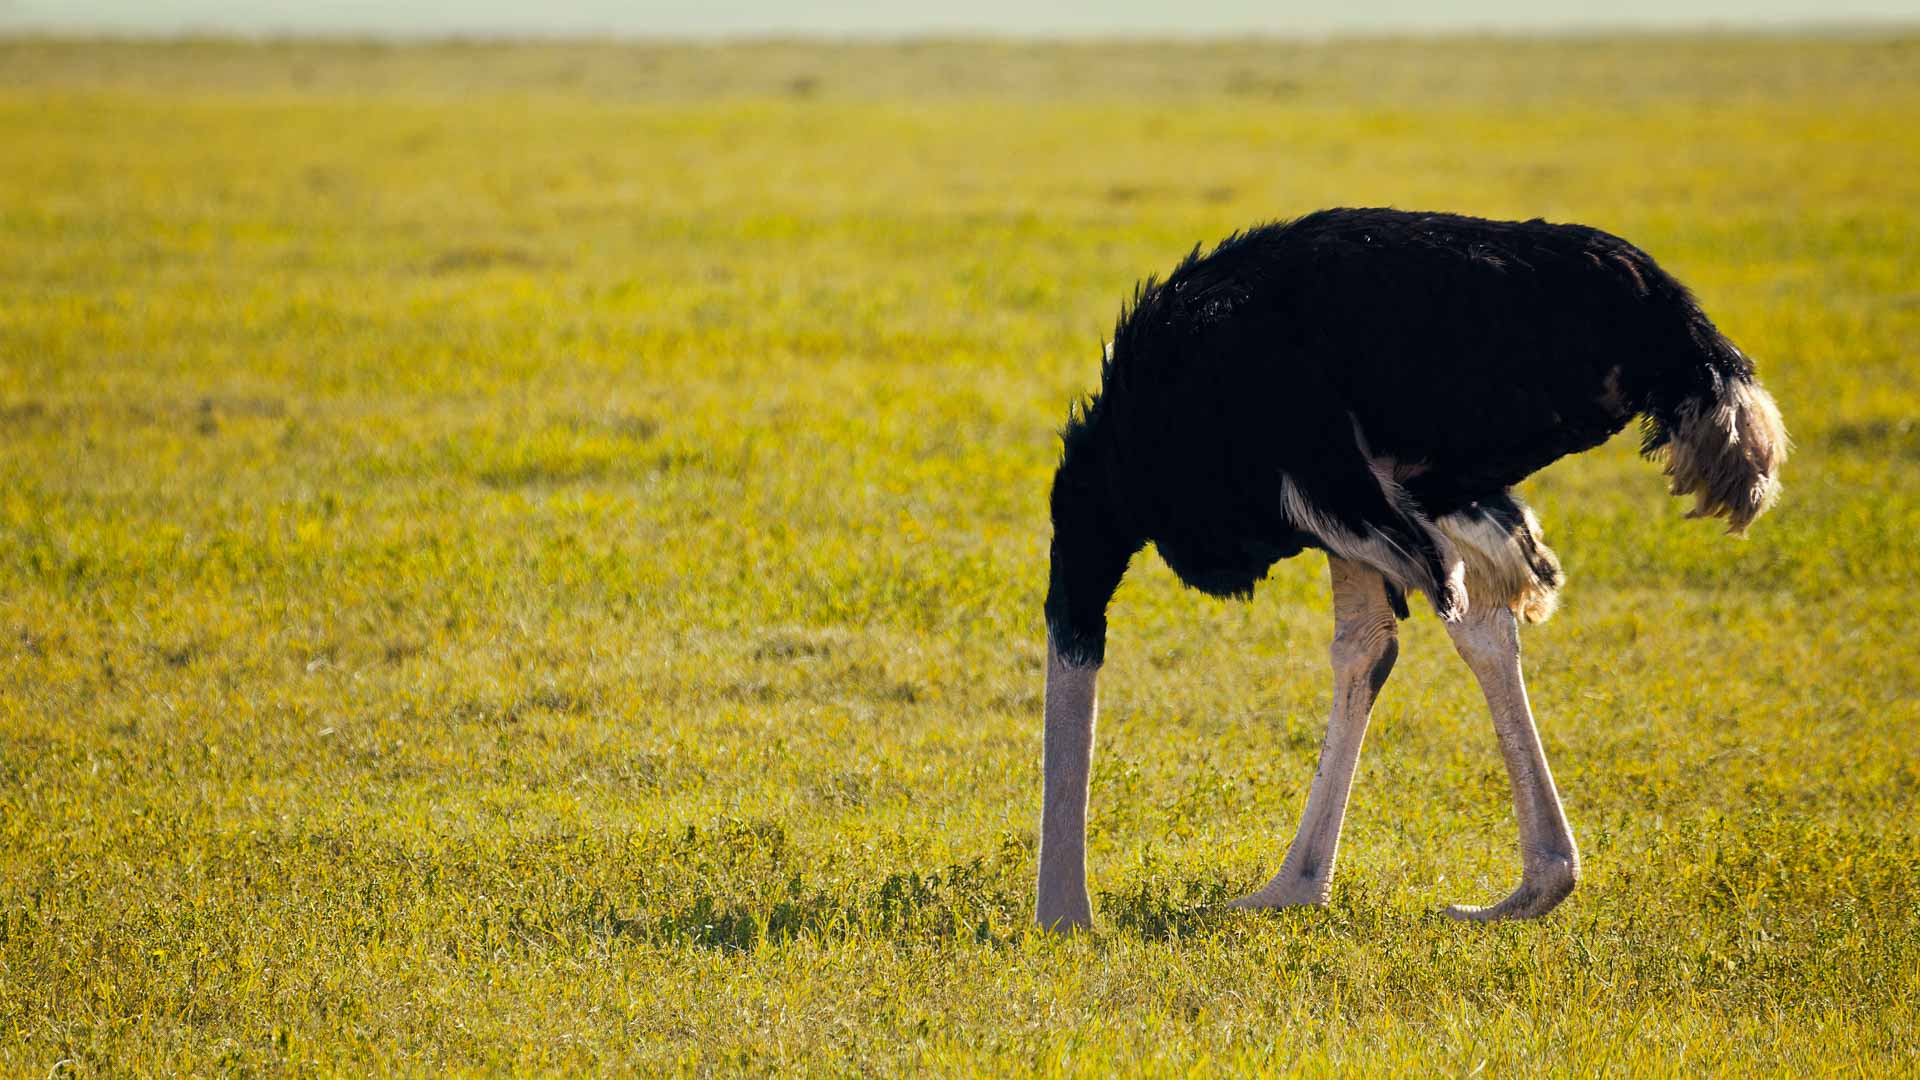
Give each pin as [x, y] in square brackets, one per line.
[1344, 380]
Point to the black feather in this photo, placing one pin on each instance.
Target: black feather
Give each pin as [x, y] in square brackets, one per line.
[1470, 353]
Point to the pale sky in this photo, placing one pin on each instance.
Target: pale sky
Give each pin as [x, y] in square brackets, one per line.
[880, 17]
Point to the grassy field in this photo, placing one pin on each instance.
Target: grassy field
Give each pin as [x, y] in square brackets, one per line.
[529, 557]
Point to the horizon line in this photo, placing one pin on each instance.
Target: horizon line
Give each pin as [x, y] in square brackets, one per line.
[1824, 28]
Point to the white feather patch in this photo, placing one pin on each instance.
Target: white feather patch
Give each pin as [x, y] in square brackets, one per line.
[1500, 570]
[1378, 550]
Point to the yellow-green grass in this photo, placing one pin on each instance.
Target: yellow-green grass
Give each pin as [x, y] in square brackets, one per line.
[522, 557]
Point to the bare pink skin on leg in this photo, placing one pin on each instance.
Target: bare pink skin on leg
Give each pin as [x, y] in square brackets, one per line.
[1365, 643]
[1489, 641]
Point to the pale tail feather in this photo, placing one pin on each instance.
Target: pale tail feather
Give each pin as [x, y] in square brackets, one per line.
[1726, 451]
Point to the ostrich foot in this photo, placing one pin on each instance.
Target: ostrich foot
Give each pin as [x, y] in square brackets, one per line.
[1287, 889]
[1542, 887]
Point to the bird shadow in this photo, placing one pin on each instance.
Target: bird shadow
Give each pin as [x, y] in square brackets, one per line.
[976, 901]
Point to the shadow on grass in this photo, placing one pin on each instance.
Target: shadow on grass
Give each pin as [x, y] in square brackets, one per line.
[987, 900]
[1156, 907]
[959, 902]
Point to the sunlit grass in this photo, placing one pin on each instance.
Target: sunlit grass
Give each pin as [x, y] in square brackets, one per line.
[531, 556]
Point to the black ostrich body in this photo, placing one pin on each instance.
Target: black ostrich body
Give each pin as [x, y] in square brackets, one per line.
[1373, 383]
[1461, 353]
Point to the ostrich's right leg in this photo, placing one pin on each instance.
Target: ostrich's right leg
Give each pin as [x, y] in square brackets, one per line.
[1488, 639]
[1365, 643]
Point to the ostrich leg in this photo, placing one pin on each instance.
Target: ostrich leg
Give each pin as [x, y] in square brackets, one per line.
[1488, 639]
[1365, 643]
[1067, 757]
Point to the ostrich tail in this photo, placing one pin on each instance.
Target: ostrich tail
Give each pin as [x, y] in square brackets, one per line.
[1724, 447]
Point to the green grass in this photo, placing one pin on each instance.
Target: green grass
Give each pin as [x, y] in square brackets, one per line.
[529, 557]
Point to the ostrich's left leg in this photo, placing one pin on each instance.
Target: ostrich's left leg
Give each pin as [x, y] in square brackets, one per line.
[1488, 639]
[1365, 643]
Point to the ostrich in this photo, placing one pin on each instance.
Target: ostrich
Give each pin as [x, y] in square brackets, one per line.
[1372, 383]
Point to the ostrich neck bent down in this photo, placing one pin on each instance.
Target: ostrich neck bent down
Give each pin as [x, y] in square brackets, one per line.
[1365, 644]
[1063, 903]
